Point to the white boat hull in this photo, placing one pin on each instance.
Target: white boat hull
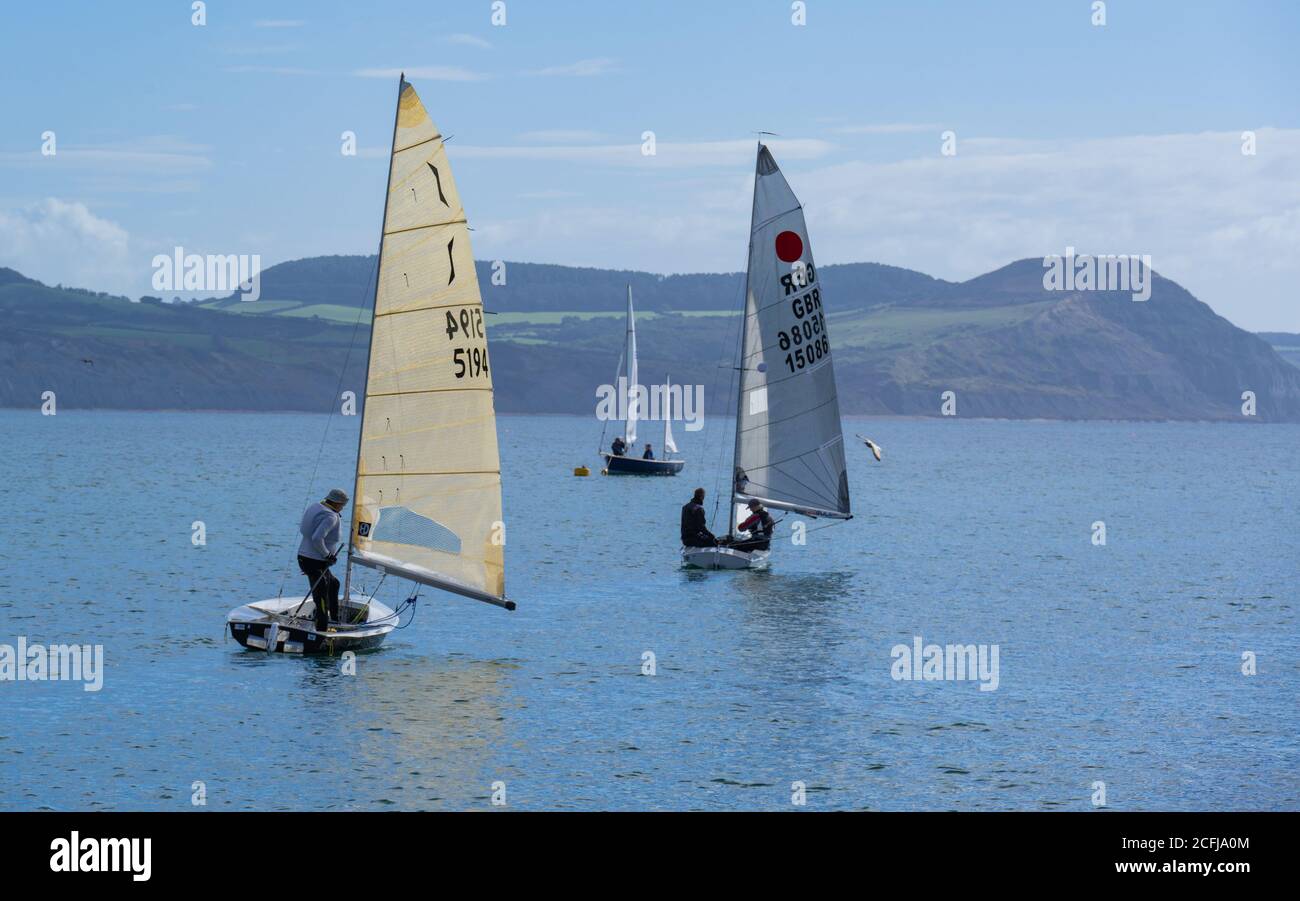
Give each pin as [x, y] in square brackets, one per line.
[286, 626]
[723, 558]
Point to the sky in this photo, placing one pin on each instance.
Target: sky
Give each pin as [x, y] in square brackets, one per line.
[226, 137]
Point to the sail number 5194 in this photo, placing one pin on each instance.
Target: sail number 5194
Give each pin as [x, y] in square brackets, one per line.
[467, 362]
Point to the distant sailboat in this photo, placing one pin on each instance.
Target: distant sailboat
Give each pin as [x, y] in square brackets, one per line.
[428, 478]
[629, 463]
[789, 452]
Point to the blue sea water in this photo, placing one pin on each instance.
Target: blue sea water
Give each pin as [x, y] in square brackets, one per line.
[1119, 664]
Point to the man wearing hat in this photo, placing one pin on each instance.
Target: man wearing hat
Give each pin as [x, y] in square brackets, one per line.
[759, 524]
[319, 550]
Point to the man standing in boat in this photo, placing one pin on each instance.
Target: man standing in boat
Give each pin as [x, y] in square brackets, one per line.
[619, 447]
[649, 453]
[318, 551]
[695, 530]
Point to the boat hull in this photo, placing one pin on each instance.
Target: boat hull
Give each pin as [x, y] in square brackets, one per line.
[635, 466]
[285, 626]
[723, 558]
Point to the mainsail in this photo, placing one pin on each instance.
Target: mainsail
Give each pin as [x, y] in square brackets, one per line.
[789, 449]
[633, 391]
[428, 488]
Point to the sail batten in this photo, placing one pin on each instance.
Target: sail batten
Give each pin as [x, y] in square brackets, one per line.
[428, 489]
[789, 448]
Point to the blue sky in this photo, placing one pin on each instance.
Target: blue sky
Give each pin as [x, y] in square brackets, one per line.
[225, 138]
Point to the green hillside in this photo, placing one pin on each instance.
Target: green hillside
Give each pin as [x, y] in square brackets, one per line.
[1008, 347]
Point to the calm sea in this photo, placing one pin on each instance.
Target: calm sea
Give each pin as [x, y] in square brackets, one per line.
[1118, 663]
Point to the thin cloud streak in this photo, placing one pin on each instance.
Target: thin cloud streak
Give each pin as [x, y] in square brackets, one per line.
[272, 70]
[583, 68]
[889, 128]
[667, 154]
[427, 73]
[468, 40]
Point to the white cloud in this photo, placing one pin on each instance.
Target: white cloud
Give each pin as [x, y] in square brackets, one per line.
[468, 40]
[57, 241]
[583, 68]
[1223, 225]
[428, 73]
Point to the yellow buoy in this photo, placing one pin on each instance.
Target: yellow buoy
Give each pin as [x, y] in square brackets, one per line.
[581, 471]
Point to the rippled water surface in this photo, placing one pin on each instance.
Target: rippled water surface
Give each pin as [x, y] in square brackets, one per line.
[1120, 664]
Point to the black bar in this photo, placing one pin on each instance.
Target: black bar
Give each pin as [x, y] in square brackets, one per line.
[269, 851]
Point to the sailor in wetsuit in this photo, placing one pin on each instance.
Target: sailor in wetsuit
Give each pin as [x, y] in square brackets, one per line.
[695, 530]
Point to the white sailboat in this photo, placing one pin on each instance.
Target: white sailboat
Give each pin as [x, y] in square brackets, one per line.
[628, 463]
[789, 452]
[427, 494]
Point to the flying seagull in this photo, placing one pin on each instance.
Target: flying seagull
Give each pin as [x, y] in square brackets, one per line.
[875, 448]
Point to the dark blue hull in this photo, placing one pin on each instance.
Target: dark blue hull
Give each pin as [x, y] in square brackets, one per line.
[635, 466]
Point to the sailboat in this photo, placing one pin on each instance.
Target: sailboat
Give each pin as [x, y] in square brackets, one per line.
[789, 451]
[629, 463]
[427, 493]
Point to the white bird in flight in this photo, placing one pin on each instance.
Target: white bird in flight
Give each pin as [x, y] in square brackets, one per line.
[875, 448]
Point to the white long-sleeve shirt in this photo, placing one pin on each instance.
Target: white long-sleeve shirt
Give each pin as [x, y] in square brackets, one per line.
[320, 532]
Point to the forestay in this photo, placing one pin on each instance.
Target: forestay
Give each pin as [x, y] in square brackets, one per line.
[428, 487]
[789, 449]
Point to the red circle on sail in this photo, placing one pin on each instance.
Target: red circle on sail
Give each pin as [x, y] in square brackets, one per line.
[789, 247]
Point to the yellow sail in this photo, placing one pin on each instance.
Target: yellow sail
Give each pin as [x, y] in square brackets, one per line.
[428, 489]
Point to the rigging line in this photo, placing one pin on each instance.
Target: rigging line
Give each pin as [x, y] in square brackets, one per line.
[830, 499]
[414, 228]
[343, 371]
[417, 143]
[831, 478]
[816, 496]
[600, 448]
[833, 522]
[776, 463]
[737, 323]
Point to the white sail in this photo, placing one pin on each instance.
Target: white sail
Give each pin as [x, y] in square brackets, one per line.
[789, 449]
[633, 391]
[670, 446]
[428, 488]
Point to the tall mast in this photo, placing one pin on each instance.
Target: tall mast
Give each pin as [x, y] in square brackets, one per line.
[629, 351]
[744, 335]
[374, 302]
[667, 411]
